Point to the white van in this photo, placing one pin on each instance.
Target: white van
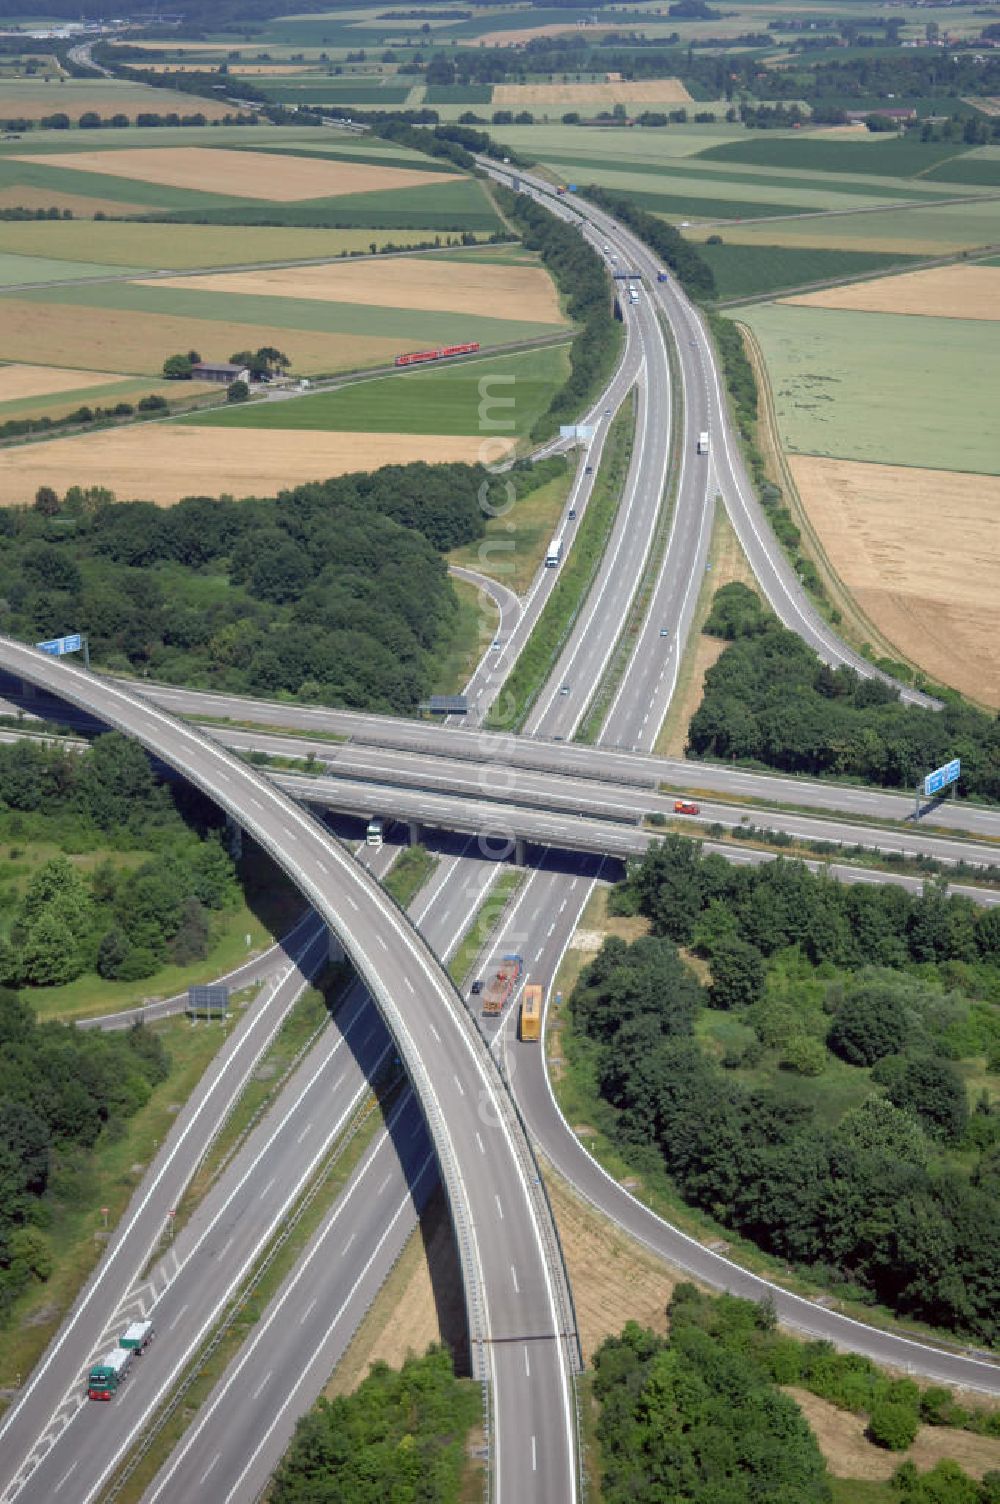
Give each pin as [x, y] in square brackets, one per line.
[374, 833]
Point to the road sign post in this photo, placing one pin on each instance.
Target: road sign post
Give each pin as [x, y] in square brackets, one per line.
[213, 1001]
[58, 647]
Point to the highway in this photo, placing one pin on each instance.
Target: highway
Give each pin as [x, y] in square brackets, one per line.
[453, 1075]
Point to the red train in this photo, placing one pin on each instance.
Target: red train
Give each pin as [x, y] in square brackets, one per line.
[417, 356]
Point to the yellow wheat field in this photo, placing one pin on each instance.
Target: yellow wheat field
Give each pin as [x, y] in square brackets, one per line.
[63, 99]
[241, 173]
[920, 551]
[521, 292]
[166, 461]
[642, 91]
[943, 292]
[137, 342]
[17, 381]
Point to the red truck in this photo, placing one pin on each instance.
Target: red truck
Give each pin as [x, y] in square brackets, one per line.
[500, 987]
[685, 807]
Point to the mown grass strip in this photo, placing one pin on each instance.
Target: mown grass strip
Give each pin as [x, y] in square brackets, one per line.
[539, 654]
[409, 873]
[486, 919]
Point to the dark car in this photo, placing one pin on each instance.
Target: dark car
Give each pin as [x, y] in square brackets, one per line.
[477, 988]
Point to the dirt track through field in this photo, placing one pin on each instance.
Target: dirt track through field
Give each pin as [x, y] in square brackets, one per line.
[920, 551]
[244, 174]
[17, 381]
[642, 91]
[164, 462]
[942, 292]
[521, 292]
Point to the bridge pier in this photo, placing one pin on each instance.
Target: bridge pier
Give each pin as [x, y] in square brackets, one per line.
[336, 952]
[519, 845]
[415, 832]
[234, 838]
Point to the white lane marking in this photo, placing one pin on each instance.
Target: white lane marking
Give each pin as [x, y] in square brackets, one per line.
[382, 941]
[347, 1245]
[534, 1456]
[264, 1192]
[527, 1365]
[306, 1313]
[434, 1031]
[64, 1477]
[408, 983]
[499, 1208]
[382, 1187]
[461, 1088]
[262, 1385]
[350, 900]
[225, 1247]
[177, 1318]
[323, 868]
[302, 1135]
[513, 1275]
[210, 1467]
[482, 1148]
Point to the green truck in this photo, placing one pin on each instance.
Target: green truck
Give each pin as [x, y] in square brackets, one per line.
[109, 1373]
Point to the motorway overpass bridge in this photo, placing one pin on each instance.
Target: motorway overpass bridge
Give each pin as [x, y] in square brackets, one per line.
[515, 1284]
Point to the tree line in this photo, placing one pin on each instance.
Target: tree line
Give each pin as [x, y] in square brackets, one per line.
[334, 591]
[579, 274]
[60, 1089]
[894, 1200]
[769, 699]
[122, 922]
[694, 274]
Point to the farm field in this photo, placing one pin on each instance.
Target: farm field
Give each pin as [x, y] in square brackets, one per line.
[164, 461]
[436, 400]
[746, 271]
[119, 247]
[920, 551]
[18, 381]
[277, 177]
[57, 333]
[905, 229]
[107, 390]
[23, 271]
[949, 292]
[935, 402]
[414, 282]
[598, 95]
[30, 99]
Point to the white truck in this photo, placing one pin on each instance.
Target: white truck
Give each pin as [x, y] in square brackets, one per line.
[374, 834]
[703, 443]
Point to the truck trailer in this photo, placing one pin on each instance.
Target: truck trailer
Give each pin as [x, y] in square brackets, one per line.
[703, 443]
[137, 1337]
[531, 1012]
[500, 987]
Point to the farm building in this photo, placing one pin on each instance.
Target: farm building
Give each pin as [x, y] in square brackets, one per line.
[222, 371]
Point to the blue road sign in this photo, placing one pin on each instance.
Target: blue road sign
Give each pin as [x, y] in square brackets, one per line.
[59, 645]
[942, 777]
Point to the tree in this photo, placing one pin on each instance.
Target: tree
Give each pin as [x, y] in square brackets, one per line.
[930, 1088]
[870, 1023]
[46, 501]
[738, 975]
[177, 368]
[237, 391]
[893, 1426]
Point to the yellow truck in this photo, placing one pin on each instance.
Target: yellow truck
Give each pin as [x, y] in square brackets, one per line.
[531, 1012]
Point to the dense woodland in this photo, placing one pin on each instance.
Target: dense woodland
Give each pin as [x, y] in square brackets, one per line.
[399, 1437]
[770, 700]
[817, 1095]
[334, 591]
[60, 1089]
[121, 921]
[698, 1416]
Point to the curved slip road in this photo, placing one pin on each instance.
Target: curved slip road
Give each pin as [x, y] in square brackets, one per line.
[513, 1278]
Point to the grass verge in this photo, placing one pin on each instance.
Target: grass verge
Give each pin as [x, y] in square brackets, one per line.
[408, 873]
[540, 652]
[485, 921]
[82, 1183]
[473, 629]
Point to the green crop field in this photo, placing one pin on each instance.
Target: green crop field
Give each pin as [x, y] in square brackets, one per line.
[886, 388]
[552, 142]
[119, 248]
[772, 196]
[319, 90]
[414, 328]
[898, 157]
[441, 400]
[745, 271]
[18, 271]
[922, 229]
[451, 205]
